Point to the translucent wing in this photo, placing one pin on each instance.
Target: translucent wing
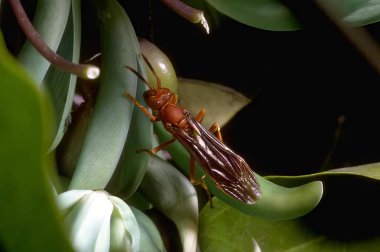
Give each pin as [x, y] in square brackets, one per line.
[228, 170]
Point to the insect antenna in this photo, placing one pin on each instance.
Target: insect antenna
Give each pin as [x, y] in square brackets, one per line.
[152, 70]
[139, 75]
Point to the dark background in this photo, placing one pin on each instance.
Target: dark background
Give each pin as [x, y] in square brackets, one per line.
[315, 99]
[315, 102]
[301, 82]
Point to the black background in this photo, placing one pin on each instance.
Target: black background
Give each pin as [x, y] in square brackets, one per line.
[301, 82]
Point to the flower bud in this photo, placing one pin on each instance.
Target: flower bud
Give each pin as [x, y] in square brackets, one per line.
[97, 221]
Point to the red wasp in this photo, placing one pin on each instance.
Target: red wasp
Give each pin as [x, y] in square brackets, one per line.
[228, 170]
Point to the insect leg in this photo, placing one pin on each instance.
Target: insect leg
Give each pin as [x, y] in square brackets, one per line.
[215, 129]
[143, 109]
[202, 182]
[174, 99]
[200, 115]
[159, 147]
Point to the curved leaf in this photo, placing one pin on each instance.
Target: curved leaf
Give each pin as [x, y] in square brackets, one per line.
[132, 165]
[367, 14]
[111, 120]
[277, 202]
[138, 201]
[220, 102]
[272, 14]
[29, 220]
[150, 236]
[371, 171]
[344, 8]
[61, 84]
[274, 203]
[172, 193]
[69, 149]
[57, 13]
[263, 14]
[291, 235]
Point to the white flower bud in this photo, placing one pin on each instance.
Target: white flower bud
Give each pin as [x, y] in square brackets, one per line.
[97, 221]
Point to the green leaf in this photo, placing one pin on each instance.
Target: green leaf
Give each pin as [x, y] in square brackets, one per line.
[110, 124]
[220, 102]
[371, 171]
[291, 235]
[132, 165]
[150, 236]
[29, 220]
[345, 219]
[173, 194]
[275, 16]
[368, 13]
[263, 14]
[138, 201]
[61, 84]
[69, 149]
[274, 203]
[344, 8]
[50, 21]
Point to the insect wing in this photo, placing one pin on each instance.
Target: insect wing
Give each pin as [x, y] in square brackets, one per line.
[228, 170]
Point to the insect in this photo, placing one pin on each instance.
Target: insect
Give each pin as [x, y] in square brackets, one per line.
[229, 171]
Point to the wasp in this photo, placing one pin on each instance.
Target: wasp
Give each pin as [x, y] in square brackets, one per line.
[229, 171]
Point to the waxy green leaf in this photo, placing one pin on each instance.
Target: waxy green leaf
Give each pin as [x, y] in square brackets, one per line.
[267, 14]
[275, 16]
[274, 203]
[368, 13]
[220, 102]
[150, 236]
[50, 21]
[29, 220]
[61, 84]
[132, 165]
[270, 235]
[104, 146]
[371, 171]
[173, 194]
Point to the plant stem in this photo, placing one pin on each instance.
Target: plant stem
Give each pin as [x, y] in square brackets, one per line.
[189, 13]
[84, 71]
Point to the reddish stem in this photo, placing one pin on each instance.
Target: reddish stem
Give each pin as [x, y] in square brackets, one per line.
[82, 70]
[189, 13]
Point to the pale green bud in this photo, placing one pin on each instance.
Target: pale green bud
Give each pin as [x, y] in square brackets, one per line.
[97, 221]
